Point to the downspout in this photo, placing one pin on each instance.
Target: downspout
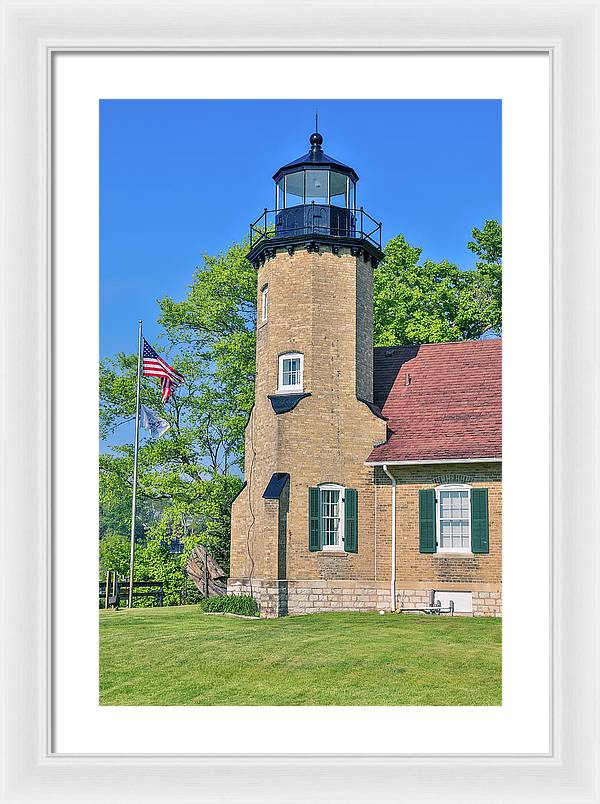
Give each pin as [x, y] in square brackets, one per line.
[393, 581]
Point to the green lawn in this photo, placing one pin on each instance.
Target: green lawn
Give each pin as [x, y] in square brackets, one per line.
[180, 656]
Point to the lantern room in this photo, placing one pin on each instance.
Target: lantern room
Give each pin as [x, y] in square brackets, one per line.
[315, 178]
[315, 204]
[315, 193]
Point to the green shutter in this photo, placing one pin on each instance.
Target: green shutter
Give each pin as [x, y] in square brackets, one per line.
[314, 519]
[351, 521]
[480, 542]
[427, 540]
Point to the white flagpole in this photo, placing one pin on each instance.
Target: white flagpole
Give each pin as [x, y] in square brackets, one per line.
[135, 467]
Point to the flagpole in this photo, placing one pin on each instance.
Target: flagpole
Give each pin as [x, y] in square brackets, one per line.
[135, 467]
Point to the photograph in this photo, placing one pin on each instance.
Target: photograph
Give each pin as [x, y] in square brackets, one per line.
[300, 387]
[300, 323]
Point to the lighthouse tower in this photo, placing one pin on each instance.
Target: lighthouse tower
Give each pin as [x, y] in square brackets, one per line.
[301, 531]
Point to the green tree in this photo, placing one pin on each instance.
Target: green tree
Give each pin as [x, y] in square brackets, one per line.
[153, 562]
[487, 282]
[487, 243]
[217, 320]
[114, 554]
[188, 477]
[115, 499]
[431, 302]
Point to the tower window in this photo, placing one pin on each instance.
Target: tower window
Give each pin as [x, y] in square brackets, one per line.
[264, 306]
[291, 367]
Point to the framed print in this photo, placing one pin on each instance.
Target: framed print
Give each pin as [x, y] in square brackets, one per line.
[128, 140]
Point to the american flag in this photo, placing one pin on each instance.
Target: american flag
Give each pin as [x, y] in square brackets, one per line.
[154, 366]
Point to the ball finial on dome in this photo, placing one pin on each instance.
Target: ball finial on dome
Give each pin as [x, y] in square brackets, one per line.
[316, 140]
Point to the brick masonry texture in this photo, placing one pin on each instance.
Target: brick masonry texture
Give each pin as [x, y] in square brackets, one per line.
[320, 304]
[313, 309]
[437, 570]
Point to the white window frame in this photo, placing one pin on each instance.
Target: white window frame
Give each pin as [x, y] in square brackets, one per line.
[290, 389]
[339, 546]
[264, 303]
[438, 517]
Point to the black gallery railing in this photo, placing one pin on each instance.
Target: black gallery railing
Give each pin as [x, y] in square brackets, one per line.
[315, 219]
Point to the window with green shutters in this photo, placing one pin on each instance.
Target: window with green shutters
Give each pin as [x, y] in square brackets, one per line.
[332, 518]
[453, 519]
[427, 528]
[480, 539]
[351, 521]
[314, 519]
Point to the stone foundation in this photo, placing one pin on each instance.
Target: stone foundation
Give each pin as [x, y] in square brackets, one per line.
[277, 598]
[412, 598]
[487, 604]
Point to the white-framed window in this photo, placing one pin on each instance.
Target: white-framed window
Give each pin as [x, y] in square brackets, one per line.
[264, 303]
[291, 370]
[332, 516]
[453, 518]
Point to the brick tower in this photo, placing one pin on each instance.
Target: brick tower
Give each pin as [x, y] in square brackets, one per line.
[297, 529]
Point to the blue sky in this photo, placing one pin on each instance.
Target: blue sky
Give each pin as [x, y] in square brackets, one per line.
[179, 179]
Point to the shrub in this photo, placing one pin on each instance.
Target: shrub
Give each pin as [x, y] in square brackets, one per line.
[232, 604]
[192, 595]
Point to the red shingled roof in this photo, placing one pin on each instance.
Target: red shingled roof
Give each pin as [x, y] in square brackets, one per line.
[441, 400]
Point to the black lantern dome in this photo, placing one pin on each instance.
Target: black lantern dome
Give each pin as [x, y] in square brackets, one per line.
[339, 183]
[315, 198]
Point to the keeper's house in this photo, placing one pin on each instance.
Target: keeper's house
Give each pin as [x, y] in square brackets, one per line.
[373, 476]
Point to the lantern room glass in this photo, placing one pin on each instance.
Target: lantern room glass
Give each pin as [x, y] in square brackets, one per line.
[327, 187]
[316, 187]
[280, 194]
[294, 189]
[338, 185]
[351, 194]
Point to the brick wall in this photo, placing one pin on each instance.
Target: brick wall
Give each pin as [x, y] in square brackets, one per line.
[417, 574]
[455, 571]
[320, 304]
[364, 326]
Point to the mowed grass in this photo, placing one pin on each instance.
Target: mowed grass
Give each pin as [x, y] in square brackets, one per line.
[180, 656]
